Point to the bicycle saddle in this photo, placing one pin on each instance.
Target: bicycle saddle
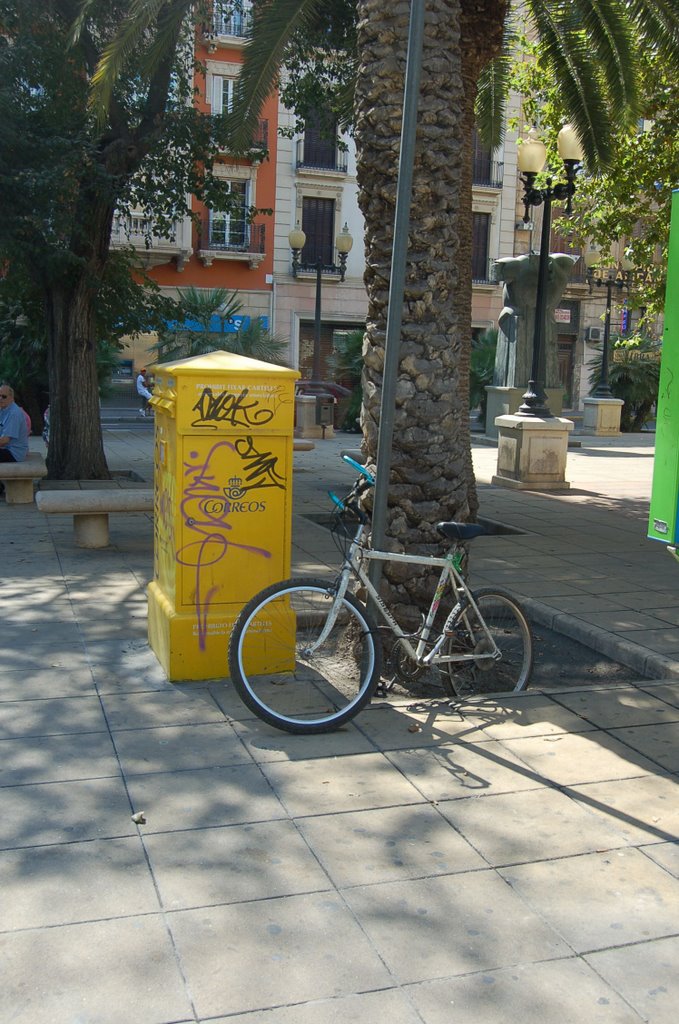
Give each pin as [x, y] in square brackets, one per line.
[461, 531]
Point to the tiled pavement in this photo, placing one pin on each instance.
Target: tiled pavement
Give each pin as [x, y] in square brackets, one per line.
[499, 861]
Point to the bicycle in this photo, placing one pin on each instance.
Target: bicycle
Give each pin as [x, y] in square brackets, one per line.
[305, 654]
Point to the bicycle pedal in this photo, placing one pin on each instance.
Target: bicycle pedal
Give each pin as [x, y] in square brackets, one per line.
[383, 689]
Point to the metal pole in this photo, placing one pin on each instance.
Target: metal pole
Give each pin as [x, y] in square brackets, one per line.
[535, 399]
[316, 369]
[603, 390]
[392, 345]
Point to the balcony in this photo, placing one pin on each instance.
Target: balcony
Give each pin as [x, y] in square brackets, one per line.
[320, 157]
[258, 146]
[227, 24]
[150, 250]
[239, 241]
[483, 271]
[487, 173]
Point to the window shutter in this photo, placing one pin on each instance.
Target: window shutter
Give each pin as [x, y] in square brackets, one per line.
[318, 224]
[480, 231]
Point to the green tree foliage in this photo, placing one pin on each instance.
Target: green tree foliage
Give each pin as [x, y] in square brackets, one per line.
[128, 304]
[67, 166]
[633, 376]
[482, 369]
[347, 364]
[628, 204]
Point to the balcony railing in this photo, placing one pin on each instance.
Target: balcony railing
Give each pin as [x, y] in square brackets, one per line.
[260, 137]
[135, 230]
[310, 266]
[312, 156]
[239, 237]
[483, 274]
[259, 142]
[229, 22]
[487, 173]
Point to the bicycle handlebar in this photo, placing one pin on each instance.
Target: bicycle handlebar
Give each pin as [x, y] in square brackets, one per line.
[361, 469]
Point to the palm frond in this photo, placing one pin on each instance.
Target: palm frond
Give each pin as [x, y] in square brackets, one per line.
[274, 25]
[609, 35]
[491, 101]
[344, 98]
[79, 24]
[573, 63]
[167, 18]
[493, 88]
[657, 25]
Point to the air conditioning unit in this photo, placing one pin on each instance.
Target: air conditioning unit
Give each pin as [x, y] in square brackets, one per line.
[594, 334]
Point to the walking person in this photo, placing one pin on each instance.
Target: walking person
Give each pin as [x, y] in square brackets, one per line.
[13, 428]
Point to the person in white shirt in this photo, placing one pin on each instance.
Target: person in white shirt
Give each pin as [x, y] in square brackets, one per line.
[143, 392]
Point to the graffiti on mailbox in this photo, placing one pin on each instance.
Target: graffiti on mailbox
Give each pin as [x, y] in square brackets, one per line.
[259, 469]
[206, 511]
[231, 410]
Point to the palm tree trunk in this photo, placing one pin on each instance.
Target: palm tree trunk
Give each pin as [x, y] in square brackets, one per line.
[431, 477]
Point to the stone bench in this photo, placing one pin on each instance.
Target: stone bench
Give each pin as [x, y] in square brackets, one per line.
[18, 478]
[90, 510]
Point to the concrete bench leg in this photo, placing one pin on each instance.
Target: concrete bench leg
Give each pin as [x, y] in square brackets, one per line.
[91, 530]
[18, 492]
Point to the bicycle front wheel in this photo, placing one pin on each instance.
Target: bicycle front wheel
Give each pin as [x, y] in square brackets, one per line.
[301, 659]
[486, 671]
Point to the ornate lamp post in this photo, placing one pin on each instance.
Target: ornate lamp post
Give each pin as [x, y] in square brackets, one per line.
[531, 160]
[609, 279]
[343, 244]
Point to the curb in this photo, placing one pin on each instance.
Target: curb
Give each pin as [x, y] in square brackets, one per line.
[648, 664]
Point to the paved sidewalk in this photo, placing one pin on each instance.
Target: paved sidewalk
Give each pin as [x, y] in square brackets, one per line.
[498, 861]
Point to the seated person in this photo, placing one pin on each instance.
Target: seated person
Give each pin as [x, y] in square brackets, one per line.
[143, 392]
[13, 429]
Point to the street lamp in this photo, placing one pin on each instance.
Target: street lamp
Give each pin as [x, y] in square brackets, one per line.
[608, 279]
[343, 244]
[531, 159]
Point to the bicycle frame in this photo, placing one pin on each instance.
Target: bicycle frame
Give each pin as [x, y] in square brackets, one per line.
[358, 553]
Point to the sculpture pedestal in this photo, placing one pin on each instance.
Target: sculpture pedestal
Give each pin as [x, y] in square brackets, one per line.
[532, 452]
[602, 416]
[503, 401]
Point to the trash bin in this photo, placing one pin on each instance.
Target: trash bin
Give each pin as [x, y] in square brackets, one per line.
[222, 500]
[325, 411]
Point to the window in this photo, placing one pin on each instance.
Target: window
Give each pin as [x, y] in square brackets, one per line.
[480, 233]
[320, 143]
[222, 94]
[485, 170]
[318, 224]
[481, 160]
[230, 229]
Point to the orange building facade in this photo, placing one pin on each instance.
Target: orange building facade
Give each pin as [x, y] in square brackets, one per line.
[218, 249]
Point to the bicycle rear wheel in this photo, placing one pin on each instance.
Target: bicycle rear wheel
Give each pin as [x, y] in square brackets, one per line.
[508, 625]
[290, 674]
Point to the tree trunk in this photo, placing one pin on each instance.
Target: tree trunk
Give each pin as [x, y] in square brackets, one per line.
[431, 477]
[76, 449]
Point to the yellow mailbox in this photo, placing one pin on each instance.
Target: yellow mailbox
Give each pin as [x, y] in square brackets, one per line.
[223, 502]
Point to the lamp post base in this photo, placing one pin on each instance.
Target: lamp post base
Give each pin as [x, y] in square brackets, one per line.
[532, 452]
[503, 401]
[602, 416]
